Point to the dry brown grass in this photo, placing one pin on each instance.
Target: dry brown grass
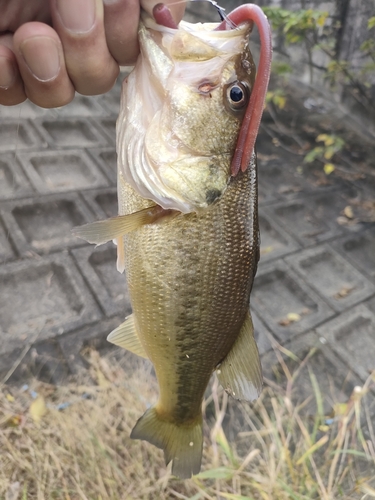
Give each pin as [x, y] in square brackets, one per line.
[84, 451]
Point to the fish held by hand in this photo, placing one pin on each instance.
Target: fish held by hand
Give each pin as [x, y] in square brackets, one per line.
[187, 232]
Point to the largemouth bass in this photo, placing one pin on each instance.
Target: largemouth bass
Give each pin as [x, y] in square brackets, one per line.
[187, 231]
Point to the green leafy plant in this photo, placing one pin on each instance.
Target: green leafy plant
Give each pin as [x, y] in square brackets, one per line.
[277, 97]
[299, 27]
[316, 31]
[330, 145]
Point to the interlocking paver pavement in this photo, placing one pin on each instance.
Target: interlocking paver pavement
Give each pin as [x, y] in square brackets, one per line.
[315, 287]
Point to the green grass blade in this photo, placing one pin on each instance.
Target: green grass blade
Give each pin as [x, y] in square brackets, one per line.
[219, 473]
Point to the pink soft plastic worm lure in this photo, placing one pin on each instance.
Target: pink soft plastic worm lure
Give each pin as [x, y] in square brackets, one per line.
[251, 121]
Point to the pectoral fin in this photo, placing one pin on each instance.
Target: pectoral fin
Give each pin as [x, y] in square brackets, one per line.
[106, 230]
[126, 336]
[240, 373]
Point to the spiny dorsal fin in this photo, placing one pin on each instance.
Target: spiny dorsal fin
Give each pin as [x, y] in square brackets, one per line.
[126, 336]
[101, 231]
[240, 373]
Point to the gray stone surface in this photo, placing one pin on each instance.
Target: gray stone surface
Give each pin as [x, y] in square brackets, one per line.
[42, 298]
[274, 242]
[107, 160]
[335, 381]
[352, 336]
[278, 292]
[13, 182]
[70, 132]
[43, 225]
[98, 266]
[61, 171]
[103, 202]
[337, 281]
[360, 250]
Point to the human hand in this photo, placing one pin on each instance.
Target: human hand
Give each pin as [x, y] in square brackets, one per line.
[51, 48]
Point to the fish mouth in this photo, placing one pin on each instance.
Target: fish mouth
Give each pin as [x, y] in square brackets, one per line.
[251, 14]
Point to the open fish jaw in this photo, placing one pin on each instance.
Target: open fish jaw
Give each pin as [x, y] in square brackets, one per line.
[175, 132]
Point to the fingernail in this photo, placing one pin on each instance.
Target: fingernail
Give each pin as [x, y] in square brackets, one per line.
[42, 57]
[77, 15]
[7, 74]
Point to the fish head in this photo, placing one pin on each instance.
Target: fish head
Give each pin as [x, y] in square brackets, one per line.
[182, 110]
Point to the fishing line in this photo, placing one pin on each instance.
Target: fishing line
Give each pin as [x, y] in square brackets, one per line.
[220, 10]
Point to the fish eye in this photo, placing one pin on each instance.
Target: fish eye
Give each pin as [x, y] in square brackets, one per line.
[237, 95]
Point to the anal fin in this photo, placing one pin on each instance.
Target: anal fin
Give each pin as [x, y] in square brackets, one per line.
[101, 231]
[126, 336]
[240, 373]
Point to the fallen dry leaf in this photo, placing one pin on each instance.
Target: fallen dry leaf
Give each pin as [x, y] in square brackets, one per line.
[38, 409]
[344, 292]
[290, 318]
[348, 212]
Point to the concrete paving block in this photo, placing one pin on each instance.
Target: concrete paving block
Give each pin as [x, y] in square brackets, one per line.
[335, 380]
[111, 103]
[44, 225]
[48, 363]
[107, 160]
[286, 304]
[263, 336]
[370, 304]
[108, 126]
[352, 336]
[103, 202]
[337, 281]
[98, 266]
[313, 219]
[316, 179]
[44, 361]
[16, 135]
[25, 110]
[40, 299]
[274, 242]
[57, 171]
[95, 336]
[70, 132]
[6, 250]
[277, 180]
[367, 183]
[301, 220]
[13, 182]
[360, 250]
[81, 106]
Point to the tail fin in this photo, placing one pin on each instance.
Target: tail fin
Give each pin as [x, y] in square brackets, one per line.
[181, 443]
